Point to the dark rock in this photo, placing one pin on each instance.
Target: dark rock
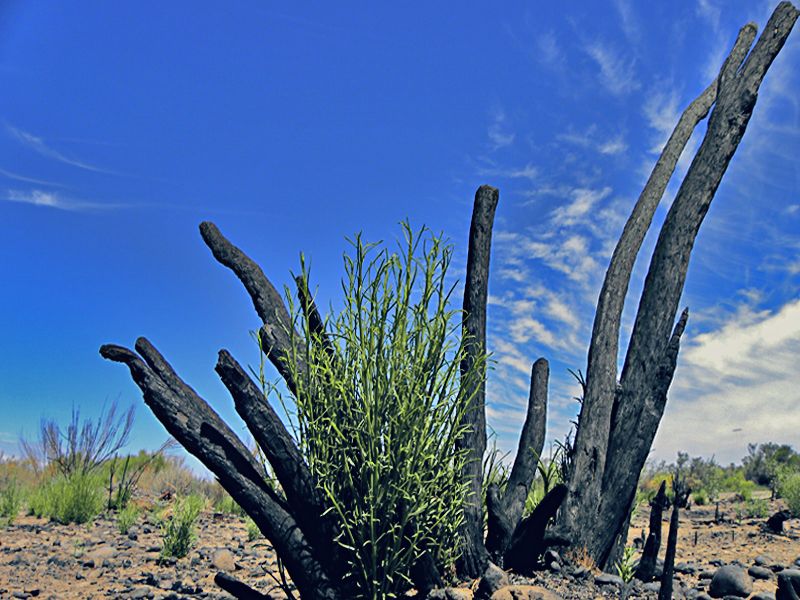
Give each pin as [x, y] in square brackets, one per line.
[492, 580]
[608, 579]
[550, 556]
[757, 572]
[141, 592]
[706, 574]
[730, 581]
[686, 568]
[762, 560]
[581, 573]
[788, 583]
[775, 522]
[763, 596]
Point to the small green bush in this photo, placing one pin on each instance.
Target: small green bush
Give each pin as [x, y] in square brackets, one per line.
[736, 482]
[700, 497]
[790, 491]
[126, 518]
[756, 508]
[253, 532]
[626, 565]
[378, 409]
[227, 505]
[11, 497]
[179, 534]
[74, 499]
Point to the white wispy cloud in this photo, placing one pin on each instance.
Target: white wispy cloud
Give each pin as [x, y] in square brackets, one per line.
[38, 145]
[617, 74]
[710, 12]
[661, 110]
[529, 171]
[499, 134]
[736, 384]
[628, 21]
[548, 51]
[591, 139]
[583, 201]
[25, 179]
[53, 200]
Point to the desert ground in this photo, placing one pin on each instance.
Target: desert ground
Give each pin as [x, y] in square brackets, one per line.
[44, 559]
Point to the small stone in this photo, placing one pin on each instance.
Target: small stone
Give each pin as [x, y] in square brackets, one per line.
[763, 596]
[757, 572]
[452, 593]
[140, 592]
[223, 560]
[608, 579]
[730, 581]
[492, 580]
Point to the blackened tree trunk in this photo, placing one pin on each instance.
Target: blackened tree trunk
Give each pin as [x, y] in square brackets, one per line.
[647, 564]
[474, 557]
[618, 420]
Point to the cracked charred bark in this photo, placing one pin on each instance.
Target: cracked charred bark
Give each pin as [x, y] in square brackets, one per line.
[607, 464]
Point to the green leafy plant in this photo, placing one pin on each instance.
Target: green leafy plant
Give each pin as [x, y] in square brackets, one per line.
[253, 532]
[756, 508]
[626, 564]
[700, 497]
[11, 498]
[378, 410]
[789, 489]
[178, 530]
[74, 499]
[126, 518]
[736, 482]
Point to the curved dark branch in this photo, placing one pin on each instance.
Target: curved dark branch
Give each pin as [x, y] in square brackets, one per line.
[276, 334]
[192, 422]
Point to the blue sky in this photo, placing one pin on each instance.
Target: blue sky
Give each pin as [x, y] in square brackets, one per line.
[123, 126]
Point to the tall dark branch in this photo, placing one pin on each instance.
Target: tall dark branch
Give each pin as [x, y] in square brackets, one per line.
[601, 371]
[505, 511]
[635, 426]
[291, 470]
[316, 324]
[202, 432]
[474, 556]
[276, 336]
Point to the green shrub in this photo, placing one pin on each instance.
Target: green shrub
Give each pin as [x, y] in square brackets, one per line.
[126, 518]
[378, 410]
[700, 497]
[736, 482]
[790, 491]
[74, 499]
[178, 530]
[756, 508]
[227, 505]
[626, 565]
[253, 532]
[11, 497]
